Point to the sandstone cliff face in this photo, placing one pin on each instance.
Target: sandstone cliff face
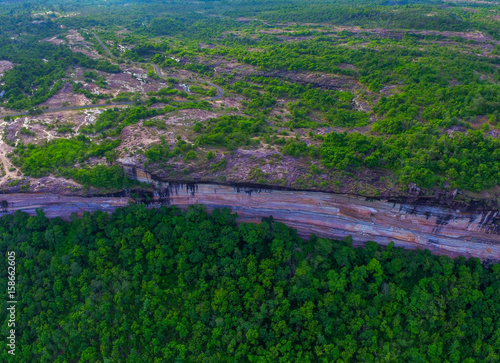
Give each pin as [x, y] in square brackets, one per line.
[55, 205]
[450, 231]
[465, 231]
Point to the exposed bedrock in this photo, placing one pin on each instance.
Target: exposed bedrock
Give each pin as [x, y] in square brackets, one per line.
[454, 232]
[465, 231]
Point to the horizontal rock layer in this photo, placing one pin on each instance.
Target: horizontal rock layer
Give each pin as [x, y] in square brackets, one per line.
[474, 233]
[442, 230]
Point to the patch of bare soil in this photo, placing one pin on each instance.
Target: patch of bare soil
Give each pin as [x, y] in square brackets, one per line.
[49, 184]
[29, 130]
[245, 164]
[389, 90]
[222, 65]
[243, 19]
[361, 104]
[280, 109]
[478, 49]
[158, 106]
[352, 67]
[75, 38]
[475, 35]
[246, 20]
[5, 66]
[274, 31]
[207, 46]
[19, 131]
[123, 31]
[133, 80]
[230, 102]
[66, 97]
[78, 44]
[129, 80]
[292, 38]
[7, 170]
[197, 115]
[478, 121]
[255, 50]
[89, 52]
[56, 41]
[471, 10]
[42, 128]
[180, 74]
[455, 129]
[85, 118]
[187, 117]
[136, 138]
[315, 79]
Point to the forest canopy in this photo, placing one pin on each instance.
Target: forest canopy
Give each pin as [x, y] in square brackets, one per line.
[163, 285]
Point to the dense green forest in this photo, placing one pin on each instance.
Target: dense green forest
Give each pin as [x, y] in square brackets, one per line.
[162, 285]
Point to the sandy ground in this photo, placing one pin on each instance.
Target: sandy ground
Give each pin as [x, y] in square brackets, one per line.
[66, 97]
[5, 66]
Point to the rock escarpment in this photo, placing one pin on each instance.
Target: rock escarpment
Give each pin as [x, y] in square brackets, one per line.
[412, 223]
[465, 231]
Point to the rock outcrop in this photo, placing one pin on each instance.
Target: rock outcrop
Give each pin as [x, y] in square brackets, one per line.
[467, 231]
[451, 229]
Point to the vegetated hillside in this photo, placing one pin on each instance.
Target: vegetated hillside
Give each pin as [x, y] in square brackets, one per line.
[362, 97]
[163, 285]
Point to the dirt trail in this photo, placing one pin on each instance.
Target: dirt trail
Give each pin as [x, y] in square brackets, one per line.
[103, 45]
[7, 165]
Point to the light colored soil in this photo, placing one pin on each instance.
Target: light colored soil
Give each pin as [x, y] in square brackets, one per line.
[6, 164]
[66, 95]
[56, 41]
[475, 35]
[5, 66]
[230, 102]
[130, 80]
[136, 138]
[74, 37]
[78, 44]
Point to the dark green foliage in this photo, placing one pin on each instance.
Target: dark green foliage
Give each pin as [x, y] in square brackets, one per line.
[165, 285]
[470, 161]
[100, 176]
[336, 107]
[119, 118]
[160, 152]
[230, 131]
[42, 160]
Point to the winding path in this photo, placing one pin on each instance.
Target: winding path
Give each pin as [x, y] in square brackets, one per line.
[103, 45]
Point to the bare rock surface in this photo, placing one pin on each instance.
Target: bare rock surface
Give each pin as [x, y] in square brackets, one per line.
[5, 66]
[467, 231]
